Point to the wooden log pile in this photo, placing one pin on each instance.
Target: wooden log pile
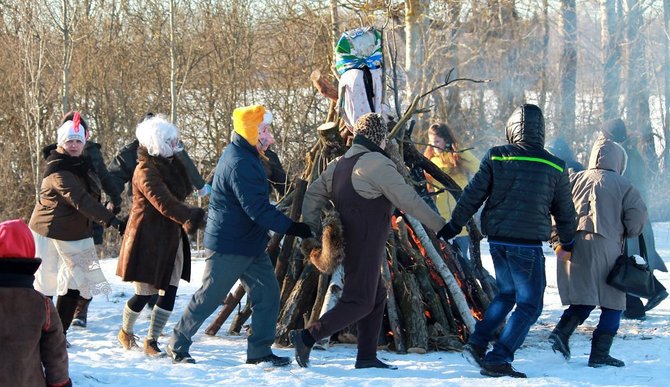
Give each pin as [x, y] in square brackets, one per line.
[435, 294]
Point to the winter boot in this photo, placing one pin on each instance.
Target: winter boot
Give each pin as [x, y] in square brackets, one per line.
[302, 349]
[600, 352]
[65, 305]
[151, 348]
[560, 336]
[276, 361]
[499, 370]
[374, 363]
[81, 313]
[127, 340]
[474, 354]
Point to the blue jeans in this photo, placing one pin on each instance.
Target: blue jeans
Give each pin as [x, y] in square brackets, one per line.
[521, 281]
[221, 272]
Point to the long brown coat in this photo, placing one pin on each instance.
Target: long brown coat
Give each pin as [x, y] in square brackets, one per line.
[155, 224]
[32, 344]
[609, 209]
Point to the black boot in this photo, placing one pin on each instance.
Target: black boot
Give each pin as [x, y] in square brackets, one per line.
[600, 352]
[560, 336]
[81, 313]
[65, 305]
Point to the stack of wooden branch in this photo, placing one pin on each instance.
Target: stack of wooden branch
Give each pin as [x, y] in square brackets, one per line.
[434, 293]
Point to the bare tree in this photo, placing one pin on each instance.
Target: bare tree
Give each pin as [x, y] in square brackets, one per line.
[415, 27]
[637, 88]
[568, 67]
[610, 41]
[666, 75]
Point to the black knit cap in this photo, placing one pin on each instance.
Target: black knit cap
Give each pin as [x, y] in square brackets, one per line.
[615, 130]
[371, 125]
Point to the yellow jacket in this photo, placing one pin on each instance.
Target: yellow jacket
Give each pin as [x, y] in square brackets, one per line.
[468, 165]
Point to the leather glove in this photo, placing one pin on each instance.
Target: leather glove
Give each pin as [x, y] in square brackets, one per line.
[119, 225]
[205, 190]
[562, 254]
[448, 231]
[299, 229]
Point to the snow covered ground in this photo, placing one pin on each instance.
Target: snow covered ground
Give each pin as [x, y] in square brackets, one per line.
[96, 358]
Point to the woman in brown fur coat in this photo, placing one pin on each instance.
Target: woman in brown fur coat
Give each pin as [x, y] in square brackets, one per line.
[155, 253]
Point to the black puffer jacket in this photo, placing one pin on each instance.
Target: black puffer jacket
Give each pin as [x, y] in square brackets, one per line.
[523, 186]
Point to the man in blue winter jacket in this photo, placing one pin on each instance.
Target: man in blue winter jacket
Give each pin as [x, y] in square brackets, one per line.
[240, 216]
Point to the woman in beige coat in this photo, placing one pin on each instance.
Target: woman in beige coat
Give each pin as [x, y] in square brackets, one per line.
[609, 209]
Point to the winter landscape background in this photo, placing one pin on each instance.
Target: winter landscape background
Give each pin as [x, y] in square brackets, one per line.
[96, 358]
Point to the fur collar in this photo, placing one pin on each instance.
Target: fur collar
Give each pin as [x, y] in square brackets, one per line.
[57, 161]
[171, 170]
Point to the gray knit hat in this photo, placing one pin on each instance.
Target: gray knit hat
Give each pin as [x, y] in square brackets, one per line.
[372, 126]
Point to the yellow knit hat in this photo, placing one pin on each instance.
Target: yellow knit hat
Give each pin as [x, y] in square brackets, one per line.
[246, 121]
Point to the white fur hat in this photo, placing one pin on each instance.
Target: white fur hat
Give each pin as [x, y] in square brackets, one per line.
[159, 136]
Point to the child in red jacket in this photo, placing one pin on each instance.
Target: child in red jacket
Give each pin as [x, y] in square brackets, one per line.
[33, 345]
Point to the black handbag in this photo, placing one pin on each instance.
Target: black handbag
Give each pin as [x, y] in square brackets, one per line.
[630, 277]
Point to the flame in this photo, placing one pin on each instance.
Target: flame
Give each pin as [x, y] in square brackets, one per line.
[478, 314]
[389, 333]
[427, 314]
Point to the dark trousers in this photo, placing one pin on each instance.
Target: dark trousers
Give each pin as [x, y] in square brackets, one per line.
[609, 318]
[362, 302]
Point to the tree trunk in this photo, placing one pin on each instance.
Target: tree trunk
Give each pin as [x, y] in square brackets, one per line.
[300, 300]
[173, 65]
[391, 303]
[66, 59]
[240, 318]
[666, 76]
[545, 55]
[457, 294]
[568, 68]
[637, 96]
[428, 294]
[287, 247]
[415, 55]
[411, 308]
[610, 42]
[229, 304]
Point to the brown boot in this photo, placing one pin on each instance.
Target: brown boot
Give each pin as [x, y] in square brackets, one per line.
[127, 341]
[81, 313]
[151, 348]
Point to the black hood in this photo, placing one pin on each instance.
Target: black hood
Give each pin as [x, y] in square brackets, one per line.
[526, 126]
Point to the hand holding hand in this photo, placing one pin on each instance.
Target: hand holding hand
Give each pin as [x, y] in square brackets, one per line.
[448, 231]
[299, 229]
[205, 190]
[562, 255]
[119, 225]
[113, 208]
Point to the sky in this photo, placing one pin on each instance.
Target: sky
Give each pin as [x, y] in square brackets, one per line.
[97, 359]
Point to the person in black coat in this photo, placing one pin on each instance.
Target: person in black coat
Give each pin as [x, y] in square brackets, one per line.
[560, 148]
[523, 186]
